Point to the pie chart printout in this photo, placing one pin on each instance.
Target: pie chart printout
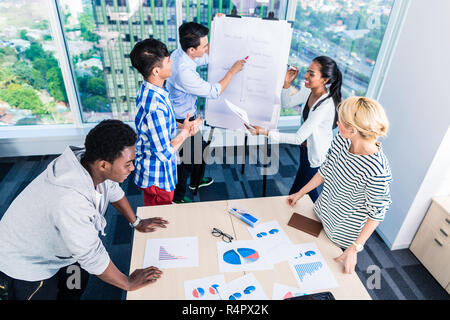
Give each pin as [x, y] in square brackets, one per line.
[198, 292]
[242, 256]
[213, 288]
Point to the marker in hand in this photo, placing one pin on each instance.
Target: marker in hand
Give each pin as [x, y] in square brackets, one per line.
[246, 58]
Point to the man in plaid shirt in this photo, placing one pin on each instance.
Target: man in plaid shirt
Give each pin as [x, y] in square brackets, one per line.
[157, 142]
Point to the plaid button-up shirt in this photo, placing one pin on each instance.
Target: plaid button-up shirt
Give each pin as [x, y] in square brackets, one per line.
[156, 159]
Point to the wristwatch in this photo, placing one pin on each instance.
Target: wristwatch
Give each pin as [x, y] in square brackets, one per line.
[134, 225]
[359, 247]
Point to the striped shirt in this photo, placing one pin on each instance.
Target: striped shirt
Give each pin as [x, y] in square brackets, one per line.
[156, 159]
[356, 188]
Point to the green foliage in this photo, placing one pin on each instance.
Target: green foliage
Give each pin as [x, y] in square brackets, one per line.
[87, 27]
[23, 34]
[35, 51]
[23, 98]
[56, 84]
[93, 91]
[7, 56]
[95, 103]
[31, 76]
[7, 77]
[96, 86]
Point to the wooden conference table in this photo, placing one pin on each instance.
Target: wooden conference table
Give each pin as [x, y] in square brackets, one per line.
[198, 219]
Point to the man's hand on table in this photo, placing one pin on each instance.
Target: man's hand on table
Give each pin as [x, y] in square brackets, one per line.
[150, 224]
[142, 277]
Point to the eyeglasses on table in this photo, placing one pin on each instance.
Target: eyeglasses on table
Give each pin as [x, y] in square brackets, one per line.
[225, 237]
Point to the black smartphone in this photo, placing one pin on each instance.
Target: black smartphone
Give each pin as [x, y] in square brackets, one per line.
[315, 296]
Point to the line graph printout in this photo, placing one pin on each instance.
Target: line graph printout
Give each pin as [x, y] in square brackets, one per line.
[257, 88]
[310, 268]
[168, 253]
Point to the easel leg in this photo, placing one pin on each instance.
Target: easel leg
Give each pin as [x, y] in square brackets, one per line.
[266, 143]
[211, 132]
[245, 148]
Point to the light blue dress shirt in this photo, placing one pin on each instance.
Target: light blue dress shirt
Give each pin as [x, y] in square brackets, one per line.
[185, 84]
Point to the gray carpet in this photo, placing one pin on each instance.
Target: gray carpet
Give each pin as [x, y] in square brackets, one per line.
[402, 275]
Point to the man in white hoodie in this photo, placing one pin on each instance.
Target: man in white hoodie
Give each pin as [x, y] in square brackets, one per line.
[49, 236]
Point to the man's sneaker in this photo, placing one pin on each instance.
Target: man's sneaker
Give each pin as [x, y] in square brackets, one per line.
[203, 183]
[184, 200]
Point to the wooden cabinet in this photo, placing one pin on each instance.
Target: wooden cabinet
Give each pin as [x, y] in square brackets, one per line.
[431, 245]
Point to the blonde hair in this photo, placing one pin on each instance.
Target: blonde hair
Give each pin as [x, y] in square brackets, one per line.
[365, 115]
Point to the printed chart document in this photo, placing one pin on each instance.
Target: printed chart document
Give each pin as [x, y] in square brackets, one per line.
[276, 240]
[282, 292]
[205, 288]
[168, 253]
[243, 288]
[310, 269]
[243, 255]
[241, 113]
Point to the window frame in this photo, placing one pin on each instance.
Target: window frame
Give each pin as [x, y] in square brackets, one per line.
[48, 133]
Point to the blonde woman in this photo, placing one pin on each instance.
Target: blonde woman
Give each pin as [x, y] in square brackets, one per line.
[356, 178]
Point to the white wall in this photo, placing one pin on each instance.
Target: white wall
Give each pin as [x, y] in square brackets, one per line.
[416, 97]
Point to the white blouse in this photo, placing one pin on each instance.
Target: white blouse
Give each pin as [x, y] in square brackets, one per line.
[317, 130]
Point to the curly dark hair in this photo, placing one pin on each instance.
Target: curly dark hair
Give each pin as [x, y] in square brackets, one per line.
[107, 140]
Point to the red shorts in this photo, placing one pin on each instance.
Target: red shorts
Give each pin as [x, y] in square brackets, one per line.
[154, 196]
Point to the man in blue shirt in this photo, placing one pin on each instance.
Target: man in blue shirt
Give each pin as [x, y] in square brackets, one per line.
[184, 86]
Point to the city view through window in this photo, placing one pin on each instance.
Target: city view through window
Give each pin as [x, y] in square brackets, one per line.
[101, 33]
[348, 31]
[32, 89]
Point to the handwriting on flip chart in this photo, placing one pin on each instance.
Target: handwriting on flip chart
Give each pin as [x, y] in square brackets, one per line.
[265, 47]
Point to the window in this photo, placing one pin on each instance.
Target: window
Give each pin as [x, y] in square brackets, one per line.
[32, 89]
[348, 31]
[100, 37]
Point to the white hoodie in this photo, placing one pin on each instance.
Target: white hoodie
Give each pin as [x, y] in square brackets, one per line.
[54, 222]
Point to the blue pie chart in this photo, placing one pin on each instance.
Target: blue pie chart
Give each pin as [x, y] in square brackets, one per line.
[243, 255]
[235, 296]
[249, 289]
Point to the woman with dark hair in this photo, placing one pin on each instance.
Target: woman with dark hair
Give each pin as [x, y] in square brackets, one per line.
[319, 96]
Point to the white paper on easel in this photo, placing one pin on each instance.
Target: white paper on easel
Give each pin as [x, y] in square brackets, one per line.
[168, 253]
[243, 255]
[243, 288]
[257, 88]
[310, 268]
[206, 288]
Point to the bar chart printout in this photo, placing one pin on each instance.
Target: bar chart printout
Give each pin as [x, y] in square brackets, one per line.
[171, 253]
[310, 268]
